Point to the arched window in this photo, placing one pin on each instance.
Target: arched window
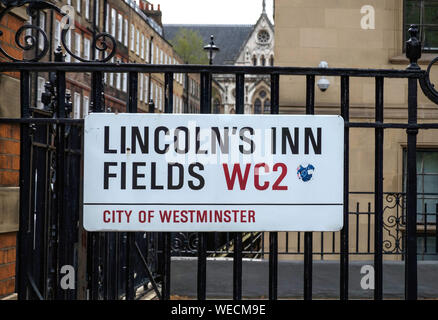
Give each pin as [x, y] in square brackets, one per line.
[216, 106]
[263, 61]
[267, 106]
[254, 60]
[258, 106]
[272, 61]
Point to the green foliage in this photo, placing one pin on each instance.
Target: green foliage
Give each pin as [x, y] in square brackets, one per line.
[189, 46]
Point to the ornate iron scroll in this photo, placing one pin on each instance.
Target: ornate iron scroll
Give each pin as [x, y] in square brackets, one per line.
[27, 36]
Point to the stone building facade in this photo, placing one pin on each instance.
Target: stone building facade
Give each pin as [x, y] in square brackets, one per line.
[364, 34]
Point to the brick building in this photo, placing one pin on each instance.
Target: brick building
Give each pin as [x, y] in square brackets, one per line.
[9, 154]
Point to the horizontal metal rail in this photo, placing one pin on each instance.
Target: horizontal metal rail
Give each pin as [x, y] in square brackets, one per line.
[152, 68]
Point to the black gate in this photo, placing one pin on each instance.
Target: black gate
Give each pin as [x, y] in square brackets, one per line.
[115, 265]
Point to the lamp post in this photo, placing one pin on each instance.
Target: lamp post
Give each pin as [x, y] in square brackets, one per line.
[211, 50]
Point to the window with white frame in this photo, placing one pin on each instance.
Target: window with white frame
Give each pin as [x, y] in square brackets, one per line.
[141, 87]
[125, 32]
[78, 5]
[86, 48]
[142, 46]
[147, 50]
[77, 106]
[152, 53]
[107, 18]
[57, 34]
[68, 43]
[162, 57]
[118, 81]
[78, 41]
[87, 9]
[161, 99]
[113, 22]
[157, 105]
[132, 37]
[40, 90]
[146, 88]
[85, 106]
[137, 43]
[111, 76]
[97, 12]
[125, 82]
[120, 27]
[43, 27]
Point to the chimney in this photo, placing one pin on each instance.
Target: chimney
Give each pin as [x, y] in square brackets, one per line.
[152, 13]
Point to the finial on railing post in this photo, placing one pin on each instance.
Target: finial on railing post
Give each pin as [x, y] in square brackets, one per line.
[59, 56]
[413, 47]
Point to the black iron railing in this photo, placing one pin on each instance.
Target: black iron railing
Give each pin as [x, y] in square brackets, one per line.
[50, 182]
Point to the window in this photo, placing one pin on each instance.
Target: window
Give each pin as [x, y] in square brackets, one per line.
[427, 201]
[146, 89]
[57, 34]
[77, 106]
[262, 104]
[152, 53]
[40, 90]
[125, 82]
[137, 43]
[113, 22]
[43, 27]
[141, 87]
[78, 5]
[423, 13]
[120, 27]
[272, 61]
[142, 46]
[125, 31]
[263, 60]
[118, 81]
[132, 37]
[254, 60]
[86, 49]
[68, 43]
[87, 9]
[97, 12]
[263, 36]
[147, 50]
[86, 106]
[78, 41]
[107, 18]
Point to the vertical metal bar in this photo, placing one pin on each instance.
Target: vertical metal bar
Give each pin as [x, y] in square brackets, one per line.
[344, 262]
[64, 236]
[308, 236]
[97, 91]
[273, 236]
[23, 244]
[425, 228]
[167, 236]
[378, 193]
[411, 290]
[357, 226]
[237, 254]
[130, 264]
[130, 254]
[132, 92]
[169, 93]
[202, 236]
[436, 228]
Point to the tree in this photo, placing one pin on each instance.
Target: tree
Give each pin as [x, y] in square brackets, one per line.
[189, 46]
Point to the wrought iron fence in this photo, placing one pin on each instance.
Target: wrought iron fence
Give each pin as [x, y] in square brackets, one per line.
[116, 264]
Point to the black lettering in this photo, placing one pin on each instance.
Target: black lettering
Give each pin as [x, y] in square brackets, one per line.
[154, 177]
[157, 140]
[123, 140]
[143, 142]
[136, 175]
[196, 176]
[107, 174]
[177, 140]
[123, 176]
[106, 138]
[247, 140]
[198, 142]
[224, 143]
[287, 139]
[170, 184]
[308, 136]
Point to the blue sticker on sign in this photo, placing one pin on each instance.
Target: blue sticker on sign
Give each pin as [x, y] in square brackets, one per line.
[305, 173]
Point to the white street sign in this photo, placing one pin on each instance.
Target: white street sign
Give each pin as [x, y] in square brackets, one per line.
[223, 173]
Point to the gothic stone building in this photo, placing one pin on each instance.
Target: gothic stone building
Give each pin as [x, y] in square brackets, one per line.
[240, 45]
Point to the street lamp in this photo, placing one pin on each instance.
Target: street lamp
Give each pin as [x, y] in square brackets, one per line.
[211, 50]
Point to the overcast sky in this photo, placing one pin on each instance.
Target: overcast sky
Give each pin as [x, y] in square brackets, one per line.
[212, 11]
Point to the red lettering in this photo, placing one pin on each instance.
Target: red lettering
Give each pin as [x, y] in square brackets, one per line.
[236, 172]
[283, 174]
[257, 176]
